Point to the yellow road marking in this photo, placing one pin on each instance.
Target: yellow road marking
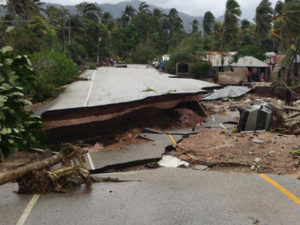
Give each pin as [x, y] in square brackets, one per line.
[281, 188]
[172, 139]
[28, 209]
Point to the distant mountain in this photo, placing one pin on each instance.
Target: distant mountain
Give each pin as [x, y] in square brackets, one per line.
[116, 11]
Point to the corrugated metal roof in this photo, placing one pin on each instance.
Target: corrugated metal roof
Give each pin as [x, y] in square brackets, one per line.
[249, 61]
[228, 92]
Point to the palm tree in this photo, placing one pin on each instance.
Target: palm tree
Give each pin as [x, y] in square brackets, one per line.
[231, 27]
[89, 10]
[128, 13]
[144, 8]
[24, 9]
[263, 19]
[287, 31]
[174, 21]
[106, 17]
[195, 26]
[208, 23]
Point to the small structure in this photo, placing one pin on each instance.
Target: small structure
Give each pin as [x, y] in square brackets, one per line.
[220, 61]
[258, 70]
[182, 68]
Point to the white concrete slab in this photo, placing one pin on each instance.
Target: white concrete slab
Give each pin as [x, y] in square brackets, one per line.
[109, 85]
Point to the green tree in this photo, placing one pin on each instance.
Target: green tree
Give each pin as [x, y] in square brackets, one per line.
[106, 18]
[24, 9]
[195, 26]
[174, 27]
[208, 23]
[19, 129]
[89, 10]
[128, 13]
[218, 35]
[245, 25]
[144, 8]
[231, 25]
[263, 20]
[256, 51]
[31, 37]
[144, 53]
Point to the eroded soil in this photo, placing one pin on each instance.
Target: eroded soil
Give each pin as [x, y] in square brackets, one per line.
[226, 151]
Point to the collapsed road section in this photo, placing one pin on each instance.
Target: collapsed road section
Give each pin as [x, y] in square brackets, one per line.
[121, 98]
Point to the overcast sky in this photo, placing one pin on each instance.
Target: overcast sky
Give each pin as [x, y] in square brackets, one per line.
[192, 7]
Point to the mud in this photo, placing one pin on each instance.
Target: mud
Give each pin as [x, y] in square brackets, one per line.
[227, 151]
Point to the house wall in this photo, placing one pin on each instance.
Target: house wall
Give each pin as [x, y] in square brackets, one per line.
[238, 76]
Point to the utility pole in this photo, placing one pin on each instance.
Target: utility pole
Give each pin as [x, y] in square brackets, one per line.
[98, 50]
[63, 30]
[69, 30]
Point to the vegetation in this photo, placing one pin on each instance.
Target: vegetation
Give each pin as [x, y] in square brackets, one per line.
[53, 70]
[200, 70]
[19, 129]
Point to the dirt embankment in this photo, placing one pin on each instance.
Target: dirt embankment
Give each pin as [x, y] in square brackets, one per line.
[243, 152]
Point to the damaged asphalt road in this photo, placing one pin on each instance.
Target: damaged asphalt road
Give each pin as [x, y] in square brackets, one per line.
[163, 197]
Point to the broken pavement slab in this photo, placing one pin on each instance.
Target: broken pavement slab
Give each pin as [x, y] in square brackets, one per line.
[133, 155]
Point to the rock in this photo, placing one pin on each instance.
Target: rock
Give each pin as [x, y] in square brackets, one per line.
[271, 152]
[200, 167]
[257, 160]
[253, 167]
[257, 141]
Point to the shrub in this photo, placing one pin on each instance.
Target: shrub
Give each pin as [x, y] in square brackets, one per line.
[53, 70]
[19, 129]
[199, 70]
[92, 66]
[143, 54]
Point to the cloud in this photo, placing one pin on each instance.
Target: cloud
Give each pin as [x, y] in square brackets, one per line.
[192, 7]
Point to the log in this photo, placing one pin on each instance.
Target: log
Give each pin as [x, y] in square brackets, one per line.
[13, 175]
[291, 108]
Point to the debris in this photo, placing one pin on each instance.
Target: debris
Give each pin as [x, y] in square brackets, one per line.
[292, 108]
[228, 92]
[172, 162]
[39, 177]
[253, 167]
[257, 160]
[256, 117]
[257, 141]
[200, 167]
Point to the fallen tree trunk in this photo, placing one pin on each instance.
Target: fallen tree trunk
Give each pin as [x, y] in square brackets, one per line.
[291, 108]
[62, 156]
